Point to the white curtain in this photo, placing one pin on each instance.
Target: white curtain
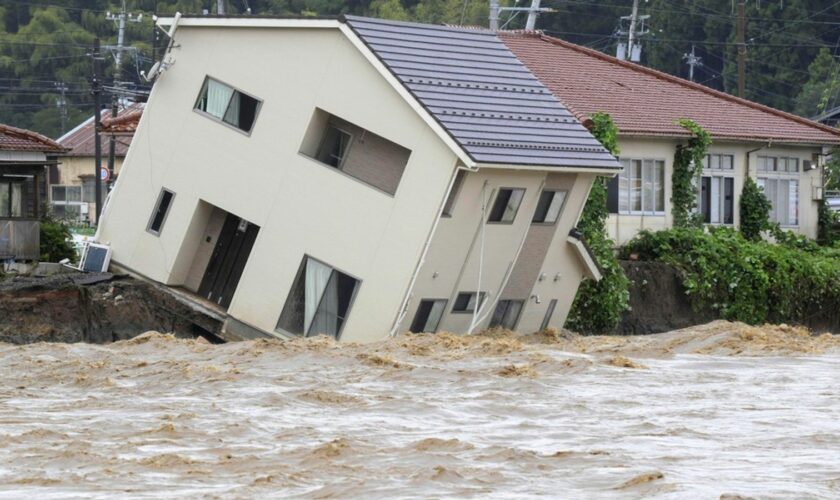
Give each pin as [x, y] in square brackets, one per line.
[232, 115]
[218, 97]
[317, 277]
[326, 318]
[17, 199]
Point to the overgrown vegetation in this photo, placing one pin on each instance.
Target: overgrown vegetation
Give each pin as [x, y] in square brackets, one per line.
[56, 241]
[754, 209]
[794, 281]
[598, 305]
[688, 165]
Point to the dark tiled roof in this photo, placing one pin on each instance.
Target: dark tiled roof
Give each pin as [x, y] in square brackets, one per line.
[18, 139]
[80, 140]
[481, 94]
[647, 102]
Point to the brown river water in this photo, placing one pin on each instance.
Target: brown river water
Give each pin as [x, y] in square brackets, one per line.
[721, 410]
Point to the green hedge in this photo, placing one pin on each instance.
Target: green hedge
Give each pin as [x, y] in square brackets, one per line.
[792, 281]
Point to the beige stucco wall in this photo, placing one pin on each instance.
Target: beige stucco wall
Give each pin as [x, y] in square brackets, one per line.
[301, 206]
[623, 227]
[454, 258]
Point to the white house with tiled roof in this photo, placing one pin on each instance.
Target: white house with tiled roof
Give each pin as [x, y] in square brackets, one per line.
[783, 152]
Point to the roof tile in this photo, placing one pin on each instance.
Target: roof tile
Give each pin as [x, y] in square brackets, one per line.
[18, 139]
[647, 102]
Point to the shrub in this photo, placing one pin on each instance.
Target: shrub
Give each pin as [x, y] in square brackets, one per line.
[598, 306]
[749, 281]
[56, 241]
[755, 211]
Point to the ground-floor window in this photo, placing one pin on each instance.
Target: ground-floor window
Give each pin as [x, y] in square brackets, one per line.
[11, 199]
[68, 202]
[466, 302]
[428, 316]
[319, 301]
[784, 197]
[641, 187]
[717, 199]
[548, 313]
[507, 314]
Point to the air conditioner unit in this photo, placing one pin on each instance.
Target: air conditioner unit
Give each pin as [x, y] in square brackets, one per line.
[817, 193]
[96, 258]
[808, 165]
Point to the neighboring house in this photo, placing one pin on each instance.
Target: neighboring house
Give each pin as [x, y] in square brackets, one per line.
[355, 178]
[833, 200]
[783, 152]
[72, 188]
[24, 158]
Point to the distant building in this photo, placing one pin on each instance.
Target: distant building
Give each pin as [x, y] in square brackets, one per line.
[24, 158]
[72, 191]
[784, 153]
[354, 178]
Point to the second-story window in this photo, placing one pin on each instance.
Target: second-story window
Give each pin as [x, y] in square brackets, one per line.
[506, 205]
[227, 104]
[549, 207]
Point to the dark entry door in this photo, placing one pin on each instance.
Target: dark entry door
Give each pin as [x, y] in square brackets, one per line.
[228, 260]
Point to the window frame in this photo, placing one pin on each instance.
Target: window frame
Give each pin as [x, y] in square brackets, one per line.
[642, 160]
[221, 120]
[298, 274]
[156, 209]
[496, 200]
[762, 183]
[480, 298]
[442, 314]
[722, 173]
[452, 199]
[559, 213]
[549, 312]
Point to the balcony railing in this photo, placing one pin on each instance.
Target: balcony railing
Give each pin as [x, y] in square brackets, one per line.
[20, 239]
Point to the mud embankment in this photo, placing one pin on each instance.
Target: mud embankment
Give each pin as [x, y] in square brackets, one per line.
[89, 308]
[659, 303]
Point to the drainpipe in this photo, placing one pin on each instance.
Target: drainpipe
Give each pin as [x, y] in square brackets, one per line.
[748, 153]
[407, 297]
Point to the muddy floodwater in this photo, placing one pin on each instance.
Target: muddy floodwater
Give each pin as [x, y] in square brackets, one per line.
[718, 410]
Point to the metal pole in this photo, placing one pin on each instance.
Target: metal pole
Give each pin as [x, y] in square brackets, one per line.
[742, 50]
[494, 15]
[96, 90]
[532, 15]
[112, 144]
[631, 36]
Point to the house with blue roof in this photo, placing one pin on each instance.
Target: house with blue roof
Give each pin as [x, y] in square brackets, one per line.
[356, 178]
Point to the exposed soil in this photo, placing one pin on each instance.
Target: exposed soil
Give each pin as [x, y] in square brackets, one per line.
[94, 308]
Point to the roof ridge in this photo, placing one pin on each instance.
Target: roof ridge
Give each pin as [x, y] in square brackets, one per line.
[680, 81]
[31, 135]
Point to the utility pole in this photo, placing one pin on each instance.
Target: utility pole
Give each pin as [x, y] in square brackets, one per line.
[532, 11]
[96, 90]
[636, 29]
[634, 16]
[62, 105]
[532, 15]
[121, 18]
[742, 50]
[692, 61]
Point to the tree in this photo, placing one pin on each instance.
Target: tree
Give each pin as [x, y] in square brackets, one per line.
[755, 211]
[822, 90]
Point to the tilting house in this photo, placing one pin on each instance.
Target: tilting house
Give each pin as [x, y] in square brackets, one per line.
[24, 158]
[72, 188]
[355, 178]
[783, 152]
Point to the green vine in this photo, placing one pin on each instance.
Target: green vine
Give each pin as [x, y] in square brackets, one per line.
[598, 305]
[688, 166]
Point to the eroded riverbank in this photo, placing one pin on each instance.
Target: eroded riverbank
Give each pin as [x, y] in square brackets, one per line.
[714, 410]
